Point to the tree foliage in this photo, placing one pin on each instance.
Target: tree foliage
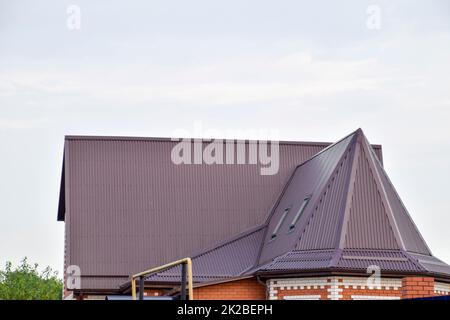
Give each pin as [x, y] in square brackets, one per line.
[25, 282]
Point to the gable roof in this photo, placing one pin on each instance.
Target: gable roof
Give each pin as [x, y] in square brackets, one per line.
[353, 219]
[127, 207]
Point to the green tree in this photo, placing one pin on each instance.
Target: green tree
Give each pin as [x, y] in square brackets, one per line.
[25, 282]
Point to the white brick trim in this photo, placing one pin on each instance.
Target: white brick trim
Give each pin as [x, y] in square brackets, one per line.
[304, 297]
[334, 292]
[361, 283]
[356, 297]
[299, 282]
[442, 288]
[334, 285]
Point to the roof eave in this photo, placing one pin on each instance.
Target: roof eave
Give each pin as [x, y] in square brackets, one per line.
[62, 194]
[348, 272]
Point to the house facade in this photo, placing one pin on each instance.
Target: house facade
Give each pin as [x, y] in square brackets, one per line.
[328, 225]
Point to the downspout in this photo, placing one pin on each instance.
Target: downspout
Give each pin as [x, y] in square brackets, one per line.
[264, 283]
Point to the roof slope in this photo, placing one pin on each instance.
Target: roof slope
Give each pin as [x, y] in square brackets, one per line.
[353, 219]
[127, 207]
[308, 180]
[209, 265]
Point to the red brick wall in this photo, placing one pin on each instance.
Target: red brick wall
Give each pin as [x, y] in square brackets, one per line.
[417, 287]
[246, 289]
[155, 292]
[251, 289]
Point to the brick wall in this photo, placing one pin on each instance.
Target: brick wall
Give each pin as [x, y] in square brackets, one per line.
[417, 287]
[154, 292]
[358, 288]
[246, 289]
[316, 288]
[334, 288]
[299, 288]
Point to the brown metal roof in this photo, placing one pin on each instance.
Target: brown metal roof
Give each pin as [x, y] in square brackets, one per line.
[356, 212]
[309, 179]
[351, 205]
[354, 219]
[127, 207]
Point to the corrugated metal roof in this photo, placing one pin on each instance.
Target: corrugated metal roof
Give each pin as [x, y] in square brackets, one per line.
[386, 260]
[354, 220]
[127, 207]
[101, 283]
[309, 179]
[299, 261]
[351, 260]
[360, 215]
[322, 228]
[368, 222]
[431, 264]
[240, 254]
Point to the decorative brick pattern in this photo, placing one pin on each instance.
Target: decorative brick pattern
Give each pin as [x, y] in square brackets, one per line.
[283, 288]
[358, 287]
[246, 289]
[334, 292]
[334, 288]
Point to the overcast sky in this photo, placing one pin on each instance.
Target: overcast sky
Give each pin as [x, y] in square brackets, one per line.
[309, 70]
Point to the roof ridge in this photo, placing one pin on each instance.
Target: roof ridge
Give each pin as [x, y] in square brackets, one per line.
[204, 139]
[414, 261]
[327, 148]
[350, 189]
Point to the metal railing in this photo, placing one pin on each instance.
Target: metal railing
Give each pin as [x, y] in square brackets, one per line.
[186, 268]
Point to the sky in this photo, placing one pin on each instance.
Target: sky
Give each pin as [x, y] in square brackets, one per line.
[307, 70]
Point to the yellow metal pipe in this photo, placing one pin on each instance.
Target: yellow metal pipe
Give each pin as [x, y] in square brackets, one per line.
[133, 288]
[187, 261]
[190, 281]
[156, 269]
